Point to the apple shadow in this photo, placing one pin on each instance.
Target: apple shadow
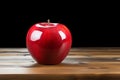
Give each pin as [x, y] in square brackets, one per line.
[65, 62]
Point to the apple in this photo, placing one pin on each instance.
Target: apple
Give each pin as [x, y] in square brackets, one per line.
[48, 43]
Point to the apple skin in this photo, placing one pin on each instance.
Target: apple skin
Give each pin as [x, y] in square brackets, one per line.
[48, 43]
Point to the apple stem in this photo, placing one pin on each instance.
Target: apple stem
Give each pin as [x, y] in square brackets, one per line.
[48, 21]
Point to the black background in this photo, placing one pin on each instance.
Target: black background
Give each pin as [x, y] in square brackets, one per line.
[95, 26]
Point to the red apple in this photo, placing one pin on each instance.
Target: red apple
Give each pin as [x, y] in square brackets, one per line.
[48, 43]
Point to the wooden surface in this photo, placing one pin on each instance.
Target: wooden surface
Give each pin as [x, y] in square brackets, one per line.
[80, 64]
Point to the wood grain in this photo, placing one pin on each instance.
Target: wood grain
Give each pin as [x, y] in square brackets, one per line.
[80, 64]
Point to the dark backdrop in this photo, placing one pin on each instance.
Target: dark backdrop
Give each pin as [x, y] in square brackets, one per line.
[90, 28]
[86, 31]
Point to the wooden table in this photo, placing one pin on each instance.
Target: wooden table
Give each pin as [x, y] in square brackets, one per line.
[81, 64]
